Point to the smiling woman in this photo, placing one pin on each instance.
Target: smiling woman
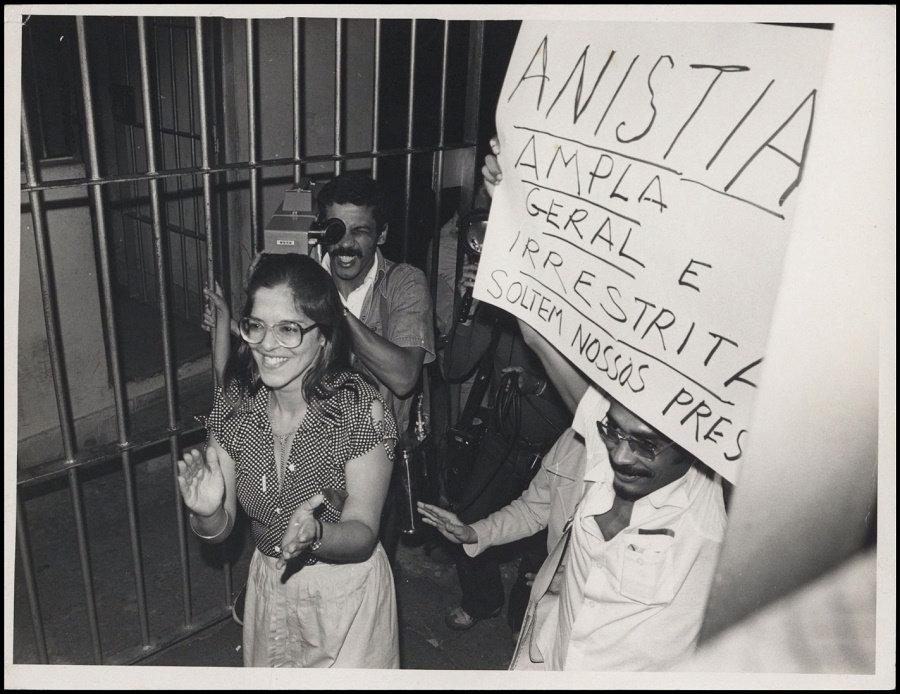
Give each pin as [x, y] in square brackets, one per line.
[305, 445]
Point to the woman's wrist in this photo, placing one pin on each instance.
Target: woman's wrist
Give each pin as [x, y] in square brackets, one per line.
[211, 527]
[317, 539]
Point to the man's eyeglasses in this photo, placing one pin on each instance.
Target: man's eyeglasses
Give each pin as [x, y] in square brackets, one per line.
[287, 333]
[641, 447]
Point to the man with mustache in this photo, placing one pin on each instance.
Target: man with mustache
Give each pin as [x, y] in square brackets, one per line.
[625, 583]
[387, 305]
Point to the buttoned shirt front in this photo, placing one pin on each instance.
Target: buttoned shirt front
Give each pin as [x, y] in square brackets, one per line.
[354, 300]
[332, 433]
[636, 602]
[409, 322]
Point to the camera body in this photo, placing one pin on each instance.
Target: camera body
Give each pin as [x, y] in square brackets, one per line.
[295, 227]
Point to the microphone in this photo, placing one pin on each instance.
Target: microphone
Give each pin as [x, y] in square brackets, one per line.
[327, 233]
[472, 229]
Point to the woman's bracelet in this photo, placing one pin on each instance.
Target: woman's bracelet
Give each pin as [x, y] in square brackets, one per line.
[317, 541]
[216, 536]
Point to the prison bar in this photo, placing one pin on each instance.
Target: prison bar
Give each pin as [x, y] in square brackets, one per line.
[135, 187]
[473, 90]
[37, 622]
[57, 364]
[198, 256]
[108, 307]
[338, 92]
[376, 83]
[256, 240]
[297, 46]
[199, 47]
[439, 174]
[174, 103]
[163, 295]
[85, 561]
[407, 192]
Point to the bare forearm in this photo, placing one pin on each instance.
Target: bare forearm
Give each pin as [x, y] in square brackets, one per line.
[566, 378]
[397, 367]
[350, 541]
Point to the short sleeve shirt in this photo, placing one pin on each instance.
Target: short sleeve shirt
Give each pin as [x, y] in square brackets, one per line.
[410, 323]
[332, 433]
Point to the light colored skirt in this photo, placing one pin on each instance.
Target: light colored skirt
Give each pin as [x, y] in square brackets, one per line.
[325, 615]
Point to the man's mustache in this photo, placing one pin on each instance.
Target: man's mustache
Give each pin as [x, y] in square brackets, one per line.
[632, 470]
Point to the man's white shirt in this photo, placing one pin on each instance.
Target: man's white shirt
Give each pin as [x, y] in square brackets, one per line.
[355, 299]
[635, 602]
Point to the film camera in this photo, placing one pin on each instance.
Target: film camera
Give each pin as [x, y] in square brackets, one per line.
[296, 228]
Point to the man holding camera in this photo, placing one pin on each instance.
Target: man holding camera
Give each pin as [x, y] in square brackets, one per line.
[387, 307]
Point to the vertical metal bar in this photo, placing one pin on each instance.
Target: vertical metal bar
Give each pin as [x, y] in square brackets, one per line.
[204, 151]
[438, 177]
[85, 561]
[198, 258]
[162, 285]
[473, 96]
[37, 622]
[175, 138]
[135, 188]
[211, 241]
[407, 198]
[376, 98]
[297, 48]
[338, 93]
[115, 361]
[48, 295]
[37, 100]
[255, 225]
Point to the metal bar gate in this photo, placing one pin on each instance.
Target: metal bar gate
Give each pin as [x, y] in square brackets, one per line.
[174, 432]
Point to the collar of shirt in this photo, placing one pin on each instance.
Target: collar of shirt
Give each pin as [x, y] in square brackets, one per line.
[677, 494]
[355, 299]
[259, 406]
[591, 409]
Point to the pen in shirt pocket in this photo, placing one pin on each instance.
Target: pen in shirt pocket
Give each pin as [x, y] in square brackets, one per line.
[652, 532]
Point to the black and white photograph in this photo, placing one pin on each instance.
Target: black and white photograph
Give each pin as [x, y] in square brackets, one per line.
[418, 346]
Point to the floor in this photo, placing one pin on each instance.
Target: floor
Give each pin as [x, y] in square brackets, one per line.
[426, 587]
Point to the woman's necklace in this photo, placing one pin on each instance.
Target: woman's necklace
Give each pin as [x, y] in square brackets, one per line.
[283, 451]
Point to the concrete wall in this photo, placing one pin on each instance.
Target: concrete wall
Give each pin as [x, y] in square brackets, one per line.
[75, 276]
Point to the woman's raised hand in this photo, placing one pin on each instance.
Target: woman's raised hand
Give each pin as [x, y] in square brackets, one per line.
[491, 169]
[448, 523]
[201, 482]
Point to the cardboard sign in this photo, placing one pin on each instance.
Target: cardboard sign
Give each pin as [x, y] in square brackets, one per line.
[649, 176]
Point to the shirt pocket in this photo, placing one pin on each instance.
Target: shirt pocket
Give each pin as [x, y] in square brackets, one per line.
[645, 568]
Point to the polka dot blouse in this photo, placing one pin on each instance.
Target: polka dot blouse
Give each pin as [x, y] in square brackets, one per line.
[333, 432]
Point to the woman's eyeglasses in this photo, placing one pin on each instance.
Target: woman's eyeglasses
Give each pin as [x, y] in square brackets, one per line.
[641, 447]
[287, 333]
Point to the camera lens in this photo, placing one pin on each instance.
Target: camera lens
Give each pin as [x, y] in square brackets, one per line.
[334, 230]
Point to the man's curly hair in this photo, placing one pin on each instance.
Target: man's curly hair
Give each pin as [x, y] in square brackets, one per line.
[354, 188]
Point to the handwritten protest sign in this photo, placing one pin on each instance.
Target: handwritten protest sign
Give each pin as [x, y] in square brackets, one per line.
[649, 177]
